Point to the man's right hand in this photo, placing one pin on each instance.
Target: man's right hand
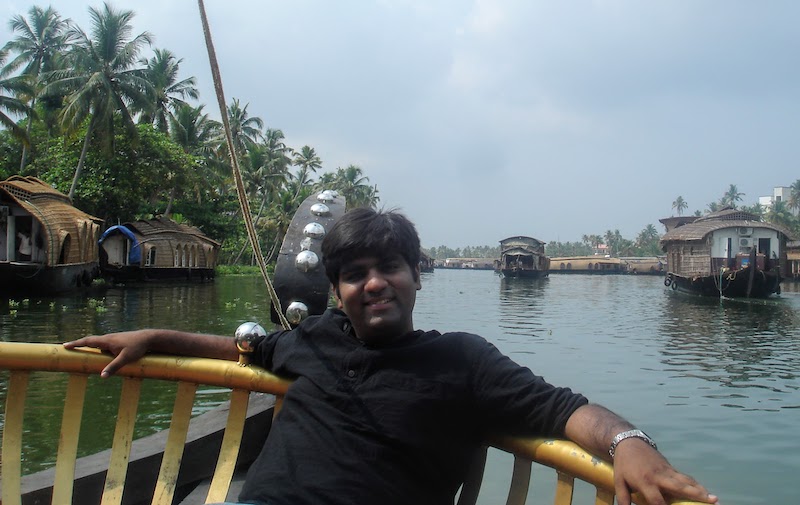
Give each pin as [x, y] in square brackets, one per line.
[129, 346]
[126, 346]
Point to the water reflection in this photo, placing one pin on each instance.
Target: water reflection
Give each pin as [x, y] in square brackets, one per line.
[741, 346]
[521, 305]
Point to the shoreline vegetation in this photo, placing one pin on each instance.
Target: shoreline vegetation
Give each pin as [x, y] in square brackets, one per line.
[105, 116]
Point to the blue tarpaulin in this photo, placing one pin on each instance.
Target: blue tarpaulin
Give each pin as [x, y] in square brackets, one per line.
[135, 252]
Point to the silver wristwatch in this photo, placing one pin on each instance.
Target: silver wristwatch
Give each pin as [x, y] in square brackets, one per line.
[630, 434]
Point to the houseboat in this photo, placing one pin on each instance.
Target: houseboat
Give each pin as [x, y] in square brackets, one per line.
[729, 253]
[523, 257]
[597, 264]
[46, 244]
[157, 249]
[425, 262]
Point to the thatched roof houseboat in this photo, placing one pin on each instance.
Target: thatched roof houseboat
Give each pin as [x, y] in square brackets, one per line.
[157, 249]
[596, 264]
[46, 244]
[728, 253]
[522, 256]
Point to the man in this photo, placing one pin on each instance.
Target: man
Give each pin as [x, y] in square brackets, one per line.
[382, 414]
[24, 246]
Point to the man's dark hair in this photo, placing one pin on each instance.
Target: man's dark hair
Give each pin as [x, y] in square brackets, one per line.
[366, 232]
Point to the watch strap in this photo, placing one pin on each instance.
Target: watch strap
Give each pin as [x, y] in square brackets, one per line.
[619, 437]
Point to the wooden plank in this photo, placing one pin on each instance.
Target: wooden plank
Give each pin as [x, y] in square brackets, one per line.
[68, 441]
[11, 456]
[564, 489]
[520, 481]
[123, 440]
[229, 452]
[173, 452]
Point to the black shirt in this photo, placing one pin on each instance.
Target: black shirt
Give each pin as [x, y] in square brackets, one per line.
[395, 424]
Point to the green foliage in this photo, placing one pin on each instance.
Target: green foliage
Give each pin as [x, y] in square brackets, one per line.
[241, 270]
[556, 249]
[132, 182]
[443, 252]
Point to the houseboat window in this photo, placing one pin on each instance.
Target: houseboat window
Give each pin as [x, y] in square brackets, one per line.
[177, 261]
[569, 266]
[590, 266]
[562, 266]
[151, 257]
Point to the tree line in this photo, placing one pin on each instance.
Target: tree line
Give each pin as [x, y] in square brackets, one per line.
[121, 133]
[783, 213]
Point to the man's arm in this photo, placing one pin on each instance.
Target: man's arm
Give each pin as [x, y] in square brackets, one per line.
[637, 466]
[129, 346]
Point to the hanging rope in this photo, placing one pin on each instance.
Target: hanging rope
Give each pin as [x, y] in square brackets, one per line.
[237, 174]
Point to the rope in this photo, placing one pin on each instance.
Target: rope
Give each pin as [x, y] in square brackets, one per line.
[237, 175]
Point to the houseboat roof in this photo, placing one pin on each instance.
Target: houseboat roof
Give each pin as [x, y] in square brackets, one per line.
[522, 238]
[164, 226]
[725, 218]
[43, 201]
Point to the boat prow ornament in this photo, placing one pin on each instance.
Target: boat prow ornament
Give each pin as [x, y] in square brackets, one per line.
[299, 279]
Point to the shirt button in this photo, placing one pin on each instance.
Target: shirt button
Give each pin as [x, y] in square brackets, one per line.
[351, 373]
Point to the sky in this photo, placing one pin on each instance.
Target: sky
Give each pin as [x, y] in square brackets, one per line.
[486, 119]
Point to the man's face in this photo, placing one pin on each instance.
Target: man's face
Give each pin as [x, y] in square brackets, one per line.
[378, 295]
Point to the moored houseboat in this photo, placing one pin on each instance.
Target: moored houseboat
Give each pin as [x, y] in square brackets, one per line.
[599, 265]
[46, 244]
[426, 263]
[522, 256]
[729, 253]
[157, 249]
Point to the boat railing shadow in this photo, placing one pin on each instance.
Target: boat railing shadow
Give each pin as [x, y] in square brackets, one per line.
[195, 460]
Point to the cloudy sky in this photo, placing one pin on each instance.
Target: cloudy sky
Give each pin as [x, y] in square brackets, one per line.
[490, 118]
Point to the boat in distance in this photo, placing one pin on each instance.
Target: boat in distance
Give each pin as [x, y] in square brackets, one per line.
[522, 256]
[729, 253]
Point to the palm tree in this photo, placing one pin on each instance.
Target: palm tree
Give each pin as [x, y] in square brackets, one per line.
[191, 129]
[794, 195]
[168, 91]
[10, 88]
[102, 81]
[732, 196]
[352, 184]
[40, 43]
[308, 161]
[245, 130]
[680, 205]
[779, 214]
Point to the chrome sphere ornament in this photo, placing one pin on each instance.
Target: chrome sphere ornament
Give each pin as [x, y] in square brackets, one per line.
[314, 230]
[296, 312]
[320, 209]
[245, 336]
[306, 261]
[326, 196]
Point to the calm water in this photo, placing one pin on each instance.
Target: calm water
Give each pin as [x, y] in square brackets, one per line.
[715, 383]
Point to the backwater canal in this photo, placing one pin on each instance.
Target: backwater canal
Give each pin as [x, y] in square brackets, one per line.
[716, 383]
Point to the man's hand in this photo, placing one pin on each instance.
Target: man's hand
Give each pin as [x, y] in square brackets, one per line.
[637, 466]
[127, 347]
[640, 468]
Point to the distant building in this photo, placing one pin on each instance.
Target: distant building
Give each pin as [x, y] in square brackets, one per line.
[473, 263]
[779, 194]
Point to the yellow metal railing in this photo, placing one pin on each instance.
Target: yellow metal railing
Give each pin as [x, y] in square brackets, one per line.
[570, 461]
